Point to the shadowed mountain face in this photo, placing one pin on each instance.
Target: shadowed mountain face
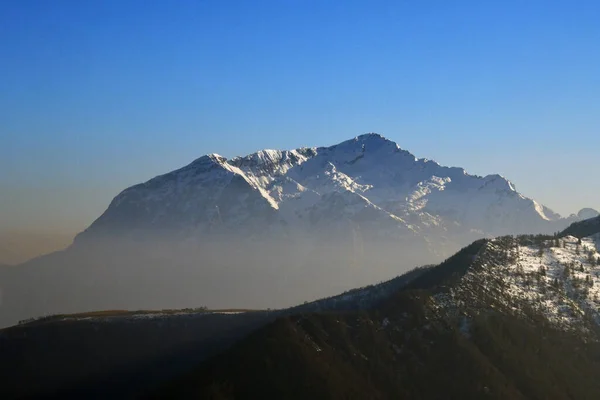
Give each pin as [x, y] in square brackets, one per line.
[271, 229]
[584, 228]
[355, 356]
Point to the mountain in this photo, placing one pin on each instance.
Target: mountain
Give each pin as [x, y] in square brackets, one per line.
[358, 184]
[271, 229]
[505, 318]
[511, 317]
[583, 228]
[587, 213]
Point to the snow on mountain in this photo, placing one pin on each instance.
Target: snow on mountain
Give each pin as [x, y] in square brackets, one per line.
[558, 278]
[204, 196]
[367, 182]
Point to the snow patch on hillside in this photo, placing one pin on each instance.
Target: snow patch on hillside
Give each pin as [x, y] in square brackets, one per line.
[559, 278]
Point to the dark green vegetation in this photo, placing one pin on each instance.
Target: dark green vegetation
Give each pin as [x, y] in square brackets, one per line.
[584, 228]
[116, 357]
[354, 356]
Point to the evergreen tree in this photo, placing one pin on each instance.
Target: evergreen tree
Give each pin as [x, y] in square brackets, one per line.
[542, 270]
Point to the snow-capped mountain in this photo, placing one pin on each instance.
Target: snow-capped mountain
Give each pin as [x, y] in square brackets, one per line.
[367, 187]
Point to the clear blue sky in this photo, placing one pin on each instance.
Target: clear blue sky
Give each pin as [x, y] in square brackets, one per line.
[99, 95]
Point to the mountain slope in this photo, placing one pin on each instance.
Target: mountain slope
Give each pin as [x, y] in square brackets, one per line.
[356, 356]
[207, 194]
[583, 228]
[117, 354]
[271, 187]
[483, 324]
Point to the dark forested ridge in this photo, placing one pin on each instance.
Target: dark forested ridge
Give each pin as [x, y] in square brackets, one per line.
[370, 356]
[584, 228]
[118, 354]
[407, 347]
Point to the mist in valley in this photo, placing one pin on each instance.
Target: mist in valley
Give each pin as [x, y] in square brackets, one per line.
[154, 273]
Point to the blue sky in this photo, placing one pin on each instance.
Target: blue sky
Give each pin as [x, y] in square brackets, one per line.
[99, 95]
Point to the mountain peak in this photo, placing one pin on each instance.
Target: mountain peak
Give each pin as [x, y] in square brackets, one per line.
[367, 143]
[374, 139]
[587, 213]
[216, 158]
[209, 160]
[499, 182]
[371, 136]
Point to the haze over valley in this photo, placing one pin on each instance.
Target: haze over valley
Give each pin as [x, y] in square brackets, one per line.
[17, 247]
